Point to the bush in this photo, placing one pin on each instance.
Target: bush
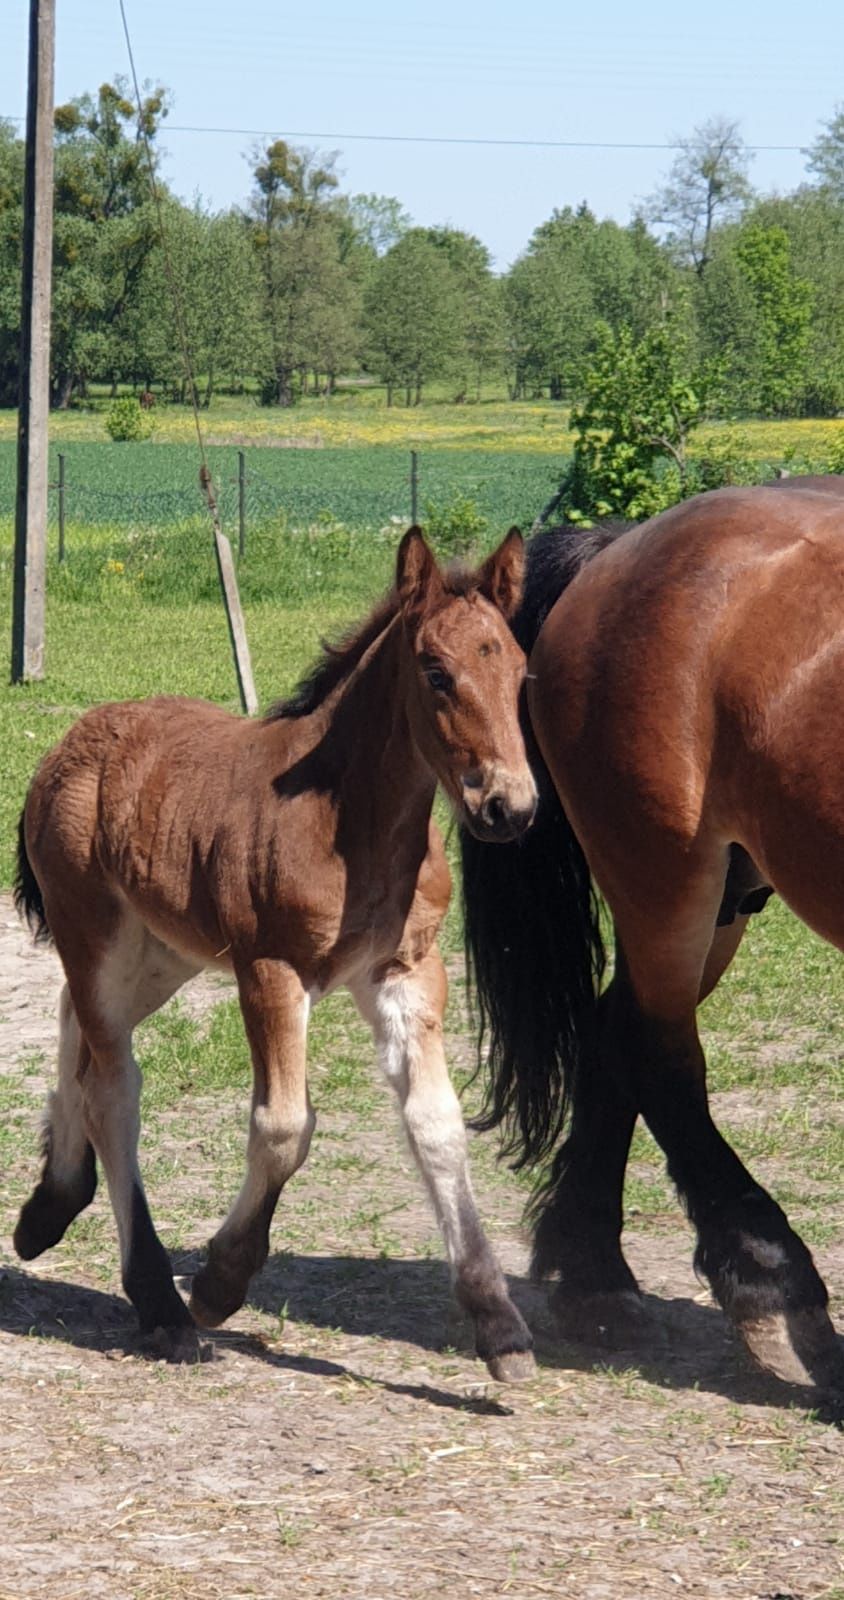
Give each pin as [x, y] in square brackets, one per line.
[125, 420]
[457, 528]
[640, 402]
[727, 461]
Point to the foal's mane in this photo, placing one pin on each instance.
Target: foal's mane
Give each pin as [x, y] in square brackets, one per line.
[338, 661]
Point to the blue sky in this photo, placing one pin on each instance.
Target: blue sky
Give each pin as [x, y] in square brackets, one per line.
[532, 70]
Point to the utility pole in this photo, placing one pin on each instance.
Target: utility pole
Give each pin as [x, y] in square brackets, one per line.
[34, 389]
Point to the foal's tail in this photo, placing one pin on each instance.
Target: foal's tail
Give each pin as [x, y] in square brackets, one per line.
[534, 952]
[29, 900]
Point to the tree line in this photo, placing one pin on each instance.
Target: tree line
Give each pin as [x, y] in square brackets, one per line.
[303, 283]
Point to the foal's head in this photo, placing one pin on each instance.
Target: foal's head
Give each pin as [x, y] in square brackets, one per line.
[466, 678]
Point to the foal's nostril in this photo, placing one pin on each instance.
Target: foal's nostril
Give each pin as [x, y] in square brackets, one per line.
[494, 810]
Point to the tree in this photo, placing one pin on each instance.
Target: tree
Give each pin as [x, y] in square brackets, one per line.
[755, 314]
[576, 273]
[783, 306]
[105, 229]
[299, 236]
[813, 219]
[411, 316]
[707, 184]
[479, 343]
[379, 221]
[826, 156]
[215, 276]
[11, 222]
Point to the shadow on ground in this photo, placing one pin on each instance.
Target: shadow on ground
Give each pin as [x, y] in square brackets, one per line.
[407, 1301]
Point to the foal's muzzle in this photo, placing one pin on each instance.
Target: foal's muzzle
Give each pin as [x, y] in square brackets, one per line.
[500, 814]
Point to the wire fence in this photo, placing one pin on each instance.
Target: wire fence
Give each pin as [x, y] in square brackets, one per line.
[120, 487]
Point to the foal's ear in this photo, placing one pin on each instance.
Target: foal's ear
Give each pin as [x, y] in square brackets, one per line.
[500, 577]
[418, 579]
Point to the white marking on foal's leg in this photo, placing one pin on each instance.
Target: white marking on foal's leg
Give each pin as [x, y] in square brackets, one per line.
[406, 1017]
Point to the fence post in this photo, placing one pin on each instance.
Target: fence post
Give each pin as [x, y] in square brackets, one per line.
[241, 503]
[60, 487]
[414, 487]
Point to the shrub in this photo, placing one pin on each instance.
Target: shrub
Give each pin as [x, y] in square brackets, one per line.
[727, 460]
[639, 404]
[455, 528]
[126, 420]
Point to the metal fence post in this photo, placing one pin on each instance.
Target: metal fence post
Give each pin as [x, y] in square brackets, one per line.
[60, 487]
[414, 487]
[241, 503]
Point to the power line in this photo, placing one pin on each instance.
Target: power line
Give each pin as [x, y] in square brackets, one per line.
[429, 138]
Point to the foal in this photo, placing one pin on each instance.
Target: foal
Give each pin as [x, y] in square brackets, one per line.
[163, 836]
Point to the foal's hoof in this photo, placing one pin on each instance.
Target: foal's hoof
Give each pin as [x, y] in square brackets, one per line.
[518, 1366]
[798, 1347]
[43, 1222]
[607, 1321]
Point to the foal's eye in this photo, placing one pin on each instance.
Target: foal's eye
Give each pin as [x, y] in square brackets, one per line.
[440, 680]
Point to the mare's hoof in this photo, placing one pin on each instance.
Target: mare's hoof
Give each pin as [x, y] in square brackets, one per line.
[608, 1321]
[799, 1347]
[203, 1315]
[180, 1345]
[518, 1366]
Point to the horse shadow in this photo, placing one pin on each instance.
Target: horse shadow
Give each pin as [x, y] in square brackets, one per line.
[410, 1302]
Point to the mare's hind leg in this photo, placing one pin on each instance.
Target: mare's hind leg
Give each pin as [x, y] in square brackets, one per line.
[69, 1177]
[275, 1013]
[405, 1010]
[760, 1271]
[578, 1236]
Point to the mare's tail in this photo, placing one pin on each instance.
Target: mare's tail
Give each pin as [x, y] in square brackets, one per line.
[535, 956]
[29, 900]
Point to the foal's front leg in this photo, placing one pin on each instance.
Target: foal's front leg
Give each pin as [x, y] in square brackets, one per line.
[405, 1010]
[275, 1013]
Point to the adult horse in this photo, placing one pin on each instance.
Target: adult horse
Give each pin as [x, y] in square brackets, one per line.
[686, 697]
[163, 836]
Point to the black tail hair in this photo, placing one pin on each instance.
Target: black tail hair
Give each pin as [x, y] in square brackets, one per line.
[534, 952]
[29, 900]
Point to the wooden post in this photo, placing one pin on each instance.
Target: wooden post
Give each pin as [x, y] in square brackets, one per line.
[231, 599]
[241, 503]
[414, 487]
[34, 388]
[60, 487]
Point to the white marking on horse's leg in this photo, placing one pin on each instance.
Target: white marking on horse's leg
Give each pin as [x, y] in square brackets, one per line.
[405, 1013]
[767, 1252]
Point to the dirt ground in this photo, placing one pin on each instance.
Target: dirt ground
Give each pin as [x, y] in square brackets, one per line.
[343, 1441]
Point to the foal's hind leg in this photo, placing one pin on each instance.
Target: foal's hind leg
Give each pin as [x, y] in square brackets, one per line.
[115, 979]
[405, 1011]
[275, 1013]
[69, 1177]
